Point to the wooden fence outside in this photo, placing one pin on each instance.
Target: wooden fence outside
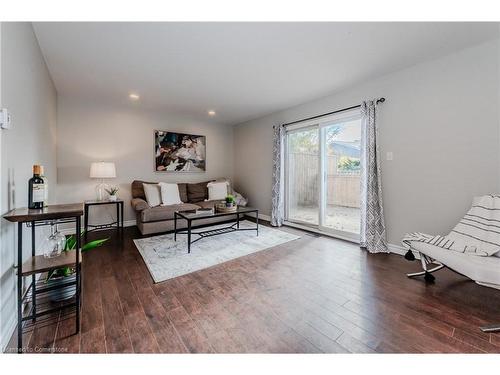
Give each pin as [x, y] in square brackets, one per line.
[343, 189]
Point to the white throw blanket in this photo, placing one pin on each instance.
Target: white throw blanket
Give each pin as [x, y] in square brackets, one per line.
[478, 233]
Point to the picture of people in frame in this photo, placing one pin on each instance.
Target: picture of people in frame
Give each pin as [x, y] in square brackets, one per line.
[178, 152]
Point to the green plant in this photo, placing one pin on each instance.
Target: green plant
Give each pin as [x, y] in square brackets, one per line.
[230, 199]
[112, 190]
[71, 245]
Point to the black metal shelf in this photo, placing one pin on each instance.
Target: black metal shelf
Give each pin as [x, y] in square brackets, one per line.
[43, 302]
[37, 297]
[49, 308]
[34, 304]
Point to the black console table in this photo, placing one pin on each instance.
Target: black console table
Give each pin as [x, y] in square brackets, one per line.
[34, 299]
[118, 224]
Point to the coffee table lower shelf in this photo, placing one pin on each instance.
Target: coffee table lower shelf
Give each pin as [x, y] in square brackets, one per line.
[212, 232]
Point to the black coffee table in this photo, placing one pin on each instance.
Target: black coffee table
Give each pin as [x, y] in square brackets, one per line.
[191, 216]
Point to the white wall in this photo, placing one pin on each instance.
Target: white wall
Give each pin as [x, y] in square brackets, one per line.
[29, 94]
[91, 131]
[441, 122]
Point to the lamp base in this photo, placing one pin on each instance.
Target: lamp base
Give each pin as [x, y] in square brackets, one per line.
[100, 190]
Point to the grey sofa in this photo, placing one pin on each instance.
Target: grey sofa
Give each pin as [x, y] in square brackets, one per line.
[161, 218]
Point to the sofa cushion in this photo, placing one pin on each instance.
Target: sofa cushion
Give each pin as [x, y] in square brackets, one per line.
[183, 192]
[138, 189]
[197, 192]
[165, 212]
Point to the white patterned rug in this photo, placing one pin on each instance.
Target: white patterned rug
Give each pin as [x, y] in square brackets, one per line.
[166, 258]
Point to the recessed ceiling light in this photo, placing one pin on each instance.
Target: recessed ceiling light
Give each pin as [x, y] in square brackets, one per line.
[133, 96]
[211, 113]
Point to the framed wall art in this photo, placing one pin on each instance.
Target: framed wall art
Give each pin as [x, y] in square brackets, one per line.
[179, 152]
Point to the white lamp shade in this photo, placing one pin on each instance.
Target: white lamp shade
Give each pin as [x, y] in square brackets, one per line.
[102, 170]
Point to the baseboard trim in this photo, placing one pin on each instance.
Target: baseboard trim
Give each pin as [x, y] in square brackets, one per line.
[264, 217]
[317, 231]
[129, 223]
[396, 249]
[400, 250]
[393, 248]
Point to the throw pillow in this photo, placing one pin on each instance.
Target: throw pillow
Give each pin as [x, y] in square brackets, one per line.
[217, 190]
[169, 194]
[240, 199]
[229, 185]
[152, 193]
[197, 192]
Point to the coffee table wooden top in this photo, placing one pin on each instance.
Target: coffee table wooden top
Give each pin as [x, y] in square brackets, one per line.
[51, 212]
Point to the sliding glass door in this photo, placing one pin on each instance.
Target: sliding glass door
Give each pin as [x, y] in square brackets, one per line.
[322, 173]
[342, 167]
[302, 171]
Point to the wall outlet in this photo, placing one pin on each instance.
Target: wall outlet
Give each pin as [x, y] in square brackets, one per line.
[389, 155]
[5, 119]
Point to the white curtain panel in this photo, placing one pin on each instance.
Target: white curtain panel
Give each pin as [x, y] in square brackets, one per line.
[373, 236]
[277, 211]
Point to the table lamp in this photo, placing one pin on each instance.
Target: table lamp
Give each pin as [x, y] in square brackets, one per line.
[102, 170]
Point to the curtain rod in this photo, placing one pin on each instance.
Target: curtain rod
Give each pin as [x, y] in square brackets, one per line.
[381, 100]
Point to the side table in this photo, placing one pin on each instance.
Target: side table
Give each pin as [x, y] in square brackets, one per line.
[118, 224]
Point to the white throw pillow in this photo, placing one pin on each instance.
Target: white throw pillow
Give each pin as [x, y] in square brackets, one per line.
[217, 190]
[169, 194]
[152, 193]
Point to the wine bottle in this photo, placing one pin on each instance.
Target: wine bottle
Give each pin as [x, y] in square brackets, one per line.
[36, 189]
[45, 187]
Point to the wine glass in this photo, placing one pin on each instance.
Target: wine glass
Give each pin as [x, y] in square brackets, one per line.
[54, 244]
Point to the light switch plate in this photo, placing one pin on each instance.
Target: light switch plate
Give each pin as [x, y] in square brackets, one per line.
[389, 156]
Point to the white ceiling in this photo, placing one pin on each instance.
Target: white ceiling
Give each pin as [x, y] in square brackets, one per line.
[242, 70]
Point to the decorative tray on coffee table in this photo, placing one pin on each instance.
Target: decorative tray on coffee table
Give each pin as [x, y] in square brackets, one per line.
[224, 209]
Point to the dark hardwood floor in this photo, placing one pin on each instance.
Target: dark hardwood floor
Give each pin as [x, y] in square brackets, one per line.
[311, 295]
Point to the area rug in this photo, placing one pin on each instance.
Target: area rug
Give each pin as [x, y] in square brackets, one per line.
[166, 258]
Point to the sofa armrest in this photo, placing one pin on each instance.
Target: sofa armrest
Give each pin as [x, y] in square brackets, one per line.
[139, 204]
